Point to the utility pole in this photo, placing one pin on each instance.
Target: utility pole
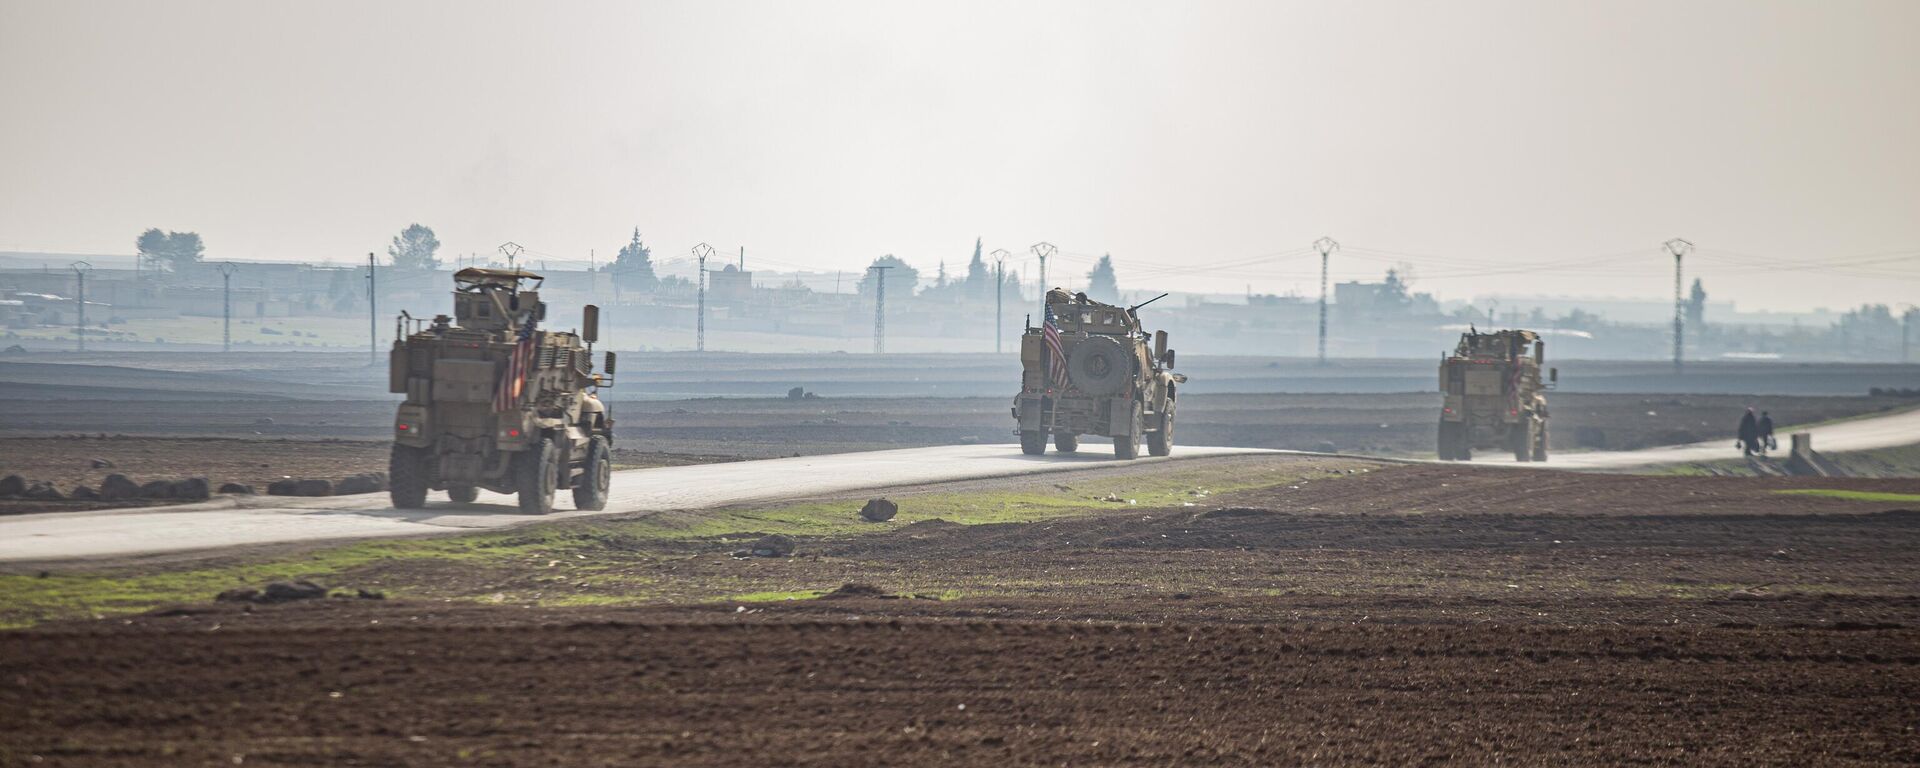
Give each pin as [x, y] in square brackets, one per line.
[226, 305]
[1678, 248]
[1043, 250]
[999, 286]
[1326, 246]
[701, 252]
[1906, 334]
[373, 314]
[880, 308]
[80, 269]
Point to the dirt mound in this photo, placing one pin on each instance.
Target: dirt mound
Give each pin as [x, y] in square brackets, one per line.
[853, 590]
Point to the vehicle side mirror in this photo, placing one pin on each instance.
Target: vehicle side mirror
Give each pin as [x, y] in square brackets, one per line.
[1168, 357]
[590, 323]
[1539, 352]
[540, 311]
[1160, 344]
[1553, 374]
[608, 368]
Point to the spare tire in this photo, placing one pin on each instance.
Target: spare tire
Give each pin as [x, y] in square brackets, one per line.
[1100, 365]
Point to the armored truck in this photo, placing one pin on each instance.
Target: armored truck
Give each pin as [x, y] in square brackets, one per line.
[1089, 369]
[494, 401]
[1495, 396]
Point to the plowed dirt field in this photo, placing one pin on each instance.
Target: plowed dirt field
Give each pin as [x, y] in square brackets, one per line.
[1397, 615]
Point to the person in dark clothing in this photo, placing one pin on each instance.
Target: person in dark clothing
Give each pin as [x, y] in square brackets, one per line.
[1749, 434]
[1767, 442]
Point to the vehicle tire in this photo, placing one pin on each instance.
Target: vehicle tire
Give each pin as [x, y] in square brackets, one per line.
[1540, 444]
[1128, 446]
[1066, 442]
[1462, 442]
[1161, 443]
[536, 473]
[463, 494]
[407, 479]
[596, 476]
[1520, 439]
[1033, 443]
[1100, 365]
[1446, 440]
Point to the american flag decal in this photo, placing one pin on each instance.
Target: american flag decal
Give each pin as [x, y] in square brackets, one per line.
[1056, 356]
[513, 381]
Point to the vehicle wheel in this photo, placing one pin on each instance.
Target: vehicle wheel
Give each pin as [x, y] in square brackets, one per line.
[536, 472]
[407, 476]
[463, 494]
[1128, 446]
[596, 475]
[1462, 442]
[1540, 444]
[1161, 443]
[1033, 443]
[1446, 440]
[1520, 438]
[1066, 442]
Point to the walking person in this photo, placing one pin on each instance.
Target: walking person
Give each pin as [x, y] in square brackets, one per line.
[1767, 443]
[1749, 434]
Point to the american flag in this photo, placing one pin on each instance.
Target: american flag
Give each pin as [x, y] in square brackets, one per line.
[513, 382]
[1056, 356]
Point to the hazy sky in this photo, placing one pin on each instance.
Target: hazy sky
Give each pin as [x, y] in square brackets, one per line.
[1204, 144]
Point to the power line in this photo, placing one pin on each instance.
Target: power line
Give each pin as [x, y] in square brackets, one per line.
[226, 305]
[1679, 248]
[80, 269]
[880, 307]
[1326, 246]
[999, 286]
[701, 252]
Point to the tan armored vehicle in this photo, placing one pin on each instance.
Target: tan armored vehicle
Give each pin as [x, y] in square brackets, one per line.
[495, 402]
[1090, 371]
[1495, 397]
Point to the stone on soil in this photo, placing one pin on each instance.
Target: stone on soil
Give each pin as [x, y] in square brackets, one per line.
[879, 510]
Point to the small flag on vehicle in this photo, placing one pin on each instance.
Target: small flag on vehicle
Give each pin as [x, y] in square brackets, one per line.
[1056, 356]
[513, 381]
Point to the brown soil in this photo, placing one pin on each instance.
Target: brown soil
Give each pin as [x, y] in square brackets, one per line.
[1403, 615]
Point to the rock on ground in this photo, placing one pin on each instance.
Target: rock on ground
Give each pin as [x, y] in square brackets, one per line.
[773, 545]
[118, 486]
[879, 510]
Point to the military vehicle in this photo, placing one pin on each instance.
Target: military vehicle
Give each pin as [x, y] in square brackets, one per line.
[1089, 370]
[1495, 395]
[495, 402]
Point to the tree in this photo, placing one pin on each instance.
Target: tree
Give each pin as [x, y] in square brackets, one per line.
[1101, 285]
[173, 250]
[1697, 305]
[1393, 292]
[633, 268]
[152, 246]
[413, 249]
[979, 283]
[901, 279]
[185, 249]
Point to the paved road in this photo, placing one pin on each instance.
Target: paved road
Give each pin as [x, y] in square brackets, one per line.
[231, 522]
[1888, 431]
[238, 521]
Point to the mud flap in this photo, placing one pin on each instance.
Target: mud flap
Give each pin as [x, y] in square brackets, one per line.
[1031, 413]
[1120, 422]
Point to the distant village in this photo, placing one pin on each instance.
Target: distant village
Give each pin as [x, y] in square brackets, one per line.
[172, 293]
